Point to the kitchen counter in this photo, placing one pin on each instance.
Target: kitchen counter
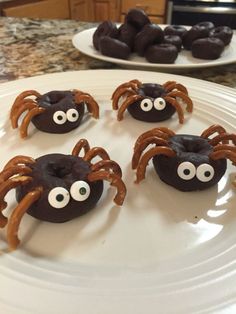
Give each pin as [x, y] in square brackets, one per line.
[31, 47]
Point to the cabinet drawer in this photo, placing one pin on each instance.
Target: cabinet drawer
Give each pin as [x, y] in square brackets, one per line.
[151, 7]
[42, 9]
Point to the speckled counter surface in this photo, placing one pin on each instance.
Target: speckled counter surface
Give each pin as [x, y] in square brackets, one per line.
[31, 47]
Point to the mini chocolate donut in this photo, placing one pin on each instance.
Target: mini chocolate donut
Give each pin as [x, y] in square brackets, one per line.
[127, 33]
[163, 53]
[106, 28]
[60, 172]
[137, 17]
[149, 35]
[173, 40]
[209, 48]
[191, 169]
[114, 48]
[194, 33]
[58, 104]
[206, 24]
[224, 33]
[178, 30]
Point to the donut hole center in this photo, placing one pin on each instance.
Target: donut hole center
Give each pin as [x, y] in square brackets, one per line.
[53, 98]
[151, 90]
[59, 169]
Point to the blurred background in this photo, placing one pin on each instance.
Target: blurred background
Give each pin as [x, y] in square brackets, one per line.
[185, 12]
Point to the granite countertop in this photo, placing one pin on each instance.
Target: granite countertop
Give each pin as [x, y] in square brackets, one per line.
[31, 47]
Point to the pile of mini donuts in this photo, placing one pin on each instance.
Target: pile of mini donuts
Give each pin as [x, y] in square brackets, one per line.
[138, 35]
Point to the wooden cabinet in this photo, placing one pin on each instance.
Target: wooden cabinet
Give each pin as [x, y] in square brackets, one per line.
[50, 9]
[156, 9]
[95, 10]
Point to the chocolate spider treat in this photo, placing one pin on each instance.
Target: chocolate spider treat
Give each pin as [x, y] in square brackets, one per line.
[151, 102]
[57, 187]
[186, 162]
[207, 48]
[53, 112]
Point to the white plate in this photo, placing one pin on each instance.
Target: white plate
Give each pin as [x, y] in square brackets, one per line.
[164, 250]
[83, 42]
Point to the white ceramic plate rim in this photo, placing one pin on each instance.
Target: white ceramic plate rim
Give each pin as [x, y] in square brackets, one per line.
[83, 42]
[131, 290]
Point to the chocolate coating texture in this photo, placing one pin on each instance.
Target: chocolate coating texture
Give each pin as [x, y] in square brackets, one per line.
[58, 170]
[127, 33]
[138, 18]
[193, 149]
[224, 33]
[114, 48]
[54, 102]
[106, 28]
[163, 53]
[151, 91]
[177, 30]
[173, 40]
[194, 33]
[150, 34]
[207, 48]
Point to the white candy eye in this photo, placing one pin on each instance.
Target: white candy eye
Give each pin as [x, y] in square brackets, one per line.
[72, 115]
[159, 103]
[186, 170]
[59, 117]
[205, 172]
[80, 191]
[146, 104]
[58, 197]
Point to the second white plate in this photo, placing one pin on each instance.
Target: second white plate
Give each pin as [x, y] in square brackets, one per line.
[83, 42]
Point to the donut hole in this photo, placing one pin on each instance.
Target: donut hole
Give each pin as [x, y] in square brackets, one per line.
[191, 144]
[53, 97]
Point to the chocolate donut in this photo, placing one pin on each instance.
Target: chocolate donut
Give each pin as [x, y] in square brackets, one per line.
[224, 33]
[209, 48]
[106, 28]
[62, 115]
[137, 17]
[206, 24]
[194, 33]
[163, 53]
[60, 172]
[191, 169]
[173, 40]
[175, 30]
[149, 35]
[114, 48]
[127, 33]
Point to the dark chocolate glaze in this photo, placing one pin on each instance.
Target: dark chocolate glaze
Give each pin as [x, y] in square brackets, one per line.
[196, 32]
[173, 40]
[114, 48]
[127, 33]
[151, 91]
[138, 18]
[163, 53]
[224, 33]
[106, 28]
[177, 30]
[150, 34]
[207, 48]
[57, 101]
[206, 24]
[58, 170]
[194, 149]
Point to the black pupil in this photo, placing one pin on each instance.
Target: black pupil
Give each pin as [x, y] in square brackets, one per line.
[82, 191]
[59, 117]
[207, 174]
[145, 104]
[59, 197]
[186, 172]
[73, 115]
